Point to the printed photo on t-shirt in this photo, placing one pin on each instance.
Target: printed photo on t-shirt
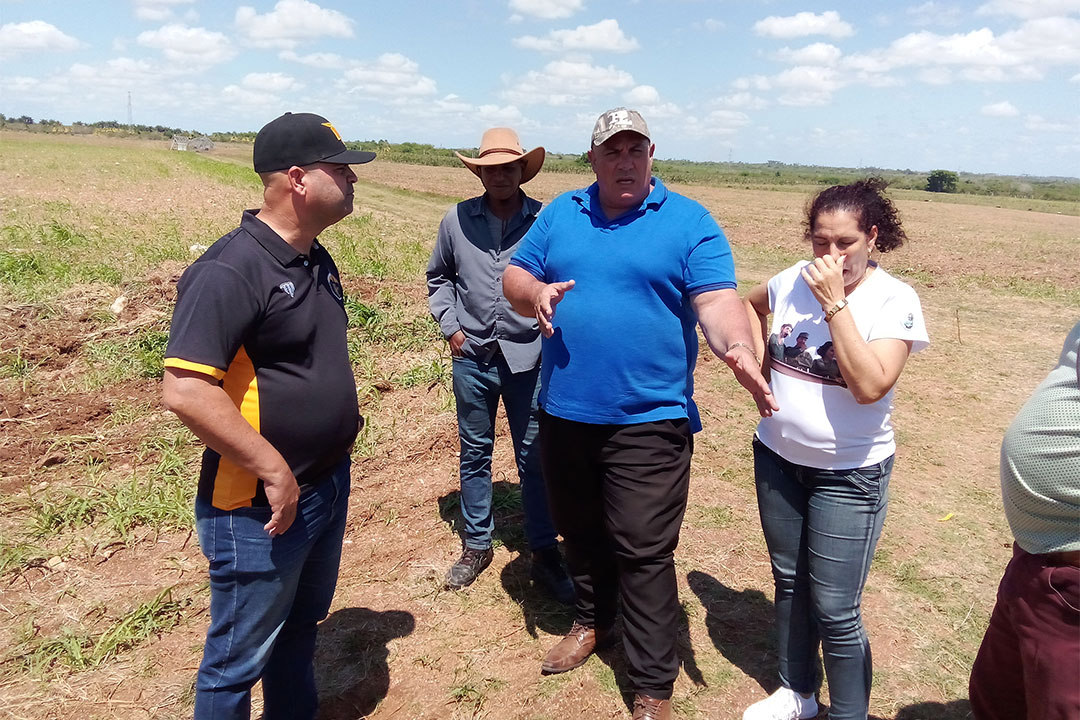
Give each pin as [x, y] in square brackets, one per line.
[796, 353]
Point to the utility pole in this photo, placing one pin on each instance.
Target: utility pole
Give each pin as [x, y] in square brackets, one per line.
[131, 123]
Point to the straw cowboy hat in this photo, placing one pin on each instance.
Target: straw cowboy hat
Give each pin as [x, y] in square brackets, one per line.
[499, 146]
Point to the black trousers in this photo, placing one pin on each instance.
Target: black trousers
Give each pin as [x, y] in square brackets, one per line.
[617, 495]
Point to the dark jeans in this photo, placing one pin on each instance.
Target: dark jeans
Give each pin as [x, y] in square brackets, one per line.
[821, 527]
[477, 388]
[1028, 666]
[618, 494]
[267, 596]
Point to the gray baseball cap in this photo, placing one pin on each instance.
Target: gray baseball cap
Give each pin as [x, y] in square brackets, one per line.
[615, 121]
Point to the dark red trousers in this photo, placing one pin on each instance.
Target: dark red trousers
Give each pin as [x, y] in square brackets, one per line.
[617, 495]
[1029, 663]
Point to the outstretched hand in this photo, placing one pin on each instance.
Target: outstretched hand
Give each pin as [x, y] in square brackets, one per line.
[544, 304]
[748, 372]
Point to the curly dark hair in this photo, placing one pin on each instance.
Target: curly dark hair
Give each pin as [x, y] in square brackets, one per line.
[866, 199]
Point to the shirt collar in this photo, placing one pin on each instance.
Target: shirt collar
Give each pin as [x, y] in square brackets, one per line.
[273, 243]
[529, 208]
[589, 199]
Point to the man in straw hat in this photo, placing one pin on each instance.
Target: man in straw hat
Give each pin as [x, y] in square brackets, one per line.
[496, 353]
[632, 268]
[258, 368]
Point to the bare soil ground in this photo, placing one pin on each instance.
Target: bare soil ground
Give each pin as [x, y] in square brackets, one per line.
[999, 288]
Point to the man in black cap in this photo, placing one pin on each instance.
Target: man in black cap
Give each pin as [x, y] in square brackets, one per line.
[257, 367]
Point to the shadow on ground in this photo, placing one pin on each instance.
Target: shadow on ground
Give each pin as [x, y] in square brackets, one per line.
[351, 669]
[740, 625]
[955, 710]
[538, 610]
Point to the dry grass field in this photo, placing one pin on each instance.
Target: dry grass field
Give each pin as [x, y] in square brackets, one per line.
[103, 594]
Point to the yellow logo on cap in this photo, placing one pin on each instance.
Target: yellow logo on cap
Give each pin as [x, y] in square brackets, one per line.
[333, 129]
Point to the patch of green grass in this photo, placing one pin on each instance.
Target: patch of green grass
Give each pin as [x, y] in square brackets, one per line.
[364, 246]
[14, 365]
[141, 355]
[715, 517]
[435, 372]
[506, 498]
[215, 170]
[158, 500]
[391, 327]
[78, 648]
[1022, 287]
[20, 555]
[604, 675]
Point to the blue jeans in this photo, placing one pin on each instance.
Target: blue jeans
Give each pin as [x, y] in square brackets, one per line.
[267, 596]
[477, 389]
[821, 527]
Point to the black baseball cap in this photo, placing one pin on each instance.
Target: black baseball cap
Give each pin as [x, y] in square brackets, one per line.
[302, 139]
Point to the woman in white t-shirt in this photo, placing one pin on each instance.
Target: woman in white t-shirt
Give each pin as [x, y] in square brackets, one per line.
[822, 462]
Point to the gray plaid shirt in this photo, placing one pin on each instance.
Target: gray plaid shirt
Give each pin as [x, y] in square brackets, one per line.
[464, 280]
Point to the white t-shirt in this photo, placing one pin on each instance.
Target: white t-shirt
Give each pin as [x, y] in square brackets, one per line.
[819, 423]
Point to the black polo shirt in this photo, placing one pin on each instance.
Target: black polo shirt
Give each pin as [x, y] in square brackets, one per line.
[269, 324]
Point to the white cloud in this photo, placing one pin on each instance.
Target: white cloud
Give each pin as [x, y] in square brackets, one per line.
[816, 54]
[807, 85]
[642, 95]
[605, 35]
[935, 76]
[238, 96]
[1075, 78]
[1053, 41]
[290, 22]
[565, 82]
[156, 10]
[1037, 123]
[752, 82]
[547, 9]
[322, 60]
[1030, 9]
[979, 55]
[742, 101]
[726, 122]
[36, 35]
[803, 24]
[935, 13]
[1001, 109]
[713, 25]
[191, 46]
[272, 82]
[391, 75]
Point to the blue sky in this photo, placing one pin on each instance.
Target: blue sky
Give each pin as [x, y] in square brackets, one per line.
[987, 86]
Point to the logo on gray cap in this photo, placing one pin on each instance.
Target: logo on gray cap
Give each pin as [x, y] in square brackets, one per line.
[615, 121]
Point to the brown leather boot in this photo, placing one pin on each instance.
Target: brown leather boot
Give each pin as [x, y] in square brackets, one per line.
[574, 649]
[650, 708]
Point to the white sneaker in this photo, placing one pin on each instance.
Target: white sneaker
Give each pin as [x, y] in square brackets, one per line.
[784, 704]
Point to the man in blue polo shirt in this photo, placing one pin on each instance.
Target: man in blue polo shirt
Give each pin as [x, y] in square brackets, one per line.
[257, 367]
[632, 268]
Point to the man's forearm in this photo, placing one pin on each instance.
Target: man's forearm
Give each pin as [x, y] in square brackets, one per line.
[521, 288]
[209, 413]
[723, 320]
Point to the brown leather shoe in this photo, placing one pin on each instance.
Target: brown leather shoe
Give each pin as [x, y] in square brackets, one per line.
[650, 708]
[574, 649]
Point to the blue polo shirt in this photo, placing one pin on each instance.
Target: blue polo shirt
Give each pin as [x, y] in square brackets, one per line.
[625, 340]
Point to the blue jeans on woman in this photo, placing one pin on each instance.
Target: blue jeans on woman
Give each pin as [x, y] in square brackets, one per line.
[478, 385]
[821, 527]
[267, 596]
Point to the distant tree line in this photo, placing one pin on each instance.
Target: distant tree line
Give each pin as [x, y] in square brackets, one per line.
[730, 174]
